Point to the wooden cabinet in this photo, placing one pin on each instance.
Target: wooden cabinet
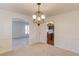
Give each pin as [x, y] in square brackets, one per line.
[50, 38]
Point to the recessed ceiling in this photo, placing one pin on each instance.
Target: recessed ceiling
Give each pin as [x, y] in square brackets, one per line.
[49, 9]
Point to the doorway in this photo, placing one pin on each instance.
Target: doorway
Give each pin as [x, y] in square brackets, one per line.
[20, 34]
[50, 34]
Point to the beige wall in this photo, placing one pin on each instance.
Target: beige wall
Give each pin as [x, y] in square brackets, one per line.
[67, 31]
[33, 33]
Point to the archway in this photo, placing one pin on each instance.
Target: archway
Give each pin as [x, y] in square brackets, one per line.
[50, 33]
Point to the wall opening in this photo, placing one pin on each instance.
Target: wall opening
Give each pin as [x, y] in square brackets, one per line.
[50, 33]
[20, 34]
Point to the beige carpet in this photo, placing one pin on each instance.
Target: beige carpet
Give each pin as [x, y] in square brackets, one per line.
[40, 50]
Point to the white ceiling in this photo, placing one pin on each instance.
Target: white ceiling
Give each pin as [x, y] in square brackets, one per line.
[48, 8]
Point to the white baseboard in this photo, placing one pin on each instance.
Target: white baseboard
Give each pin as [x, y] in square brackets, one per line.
[74, 51]
[4, 51]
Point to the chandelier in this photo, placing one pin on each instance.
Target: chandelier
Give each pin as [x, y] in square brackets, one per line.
[39, 16]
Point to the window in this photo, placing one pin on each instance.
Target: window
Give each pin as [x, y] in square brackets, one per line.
[26, 29]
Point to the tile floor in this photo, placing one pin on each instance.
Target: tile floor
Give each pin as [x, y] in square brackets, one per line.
[20, 43]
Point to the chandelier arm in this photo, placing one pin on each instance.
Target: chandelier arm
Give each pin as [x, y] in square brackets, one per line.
[38, 6]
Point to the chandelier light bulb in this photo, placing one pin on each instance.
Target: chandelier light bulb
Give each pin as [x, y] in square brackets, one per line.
[34, 16]
[42, 16]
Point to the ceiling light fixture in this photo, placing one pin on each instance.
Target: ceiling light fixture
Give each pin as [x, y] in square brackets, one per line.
[39, 16]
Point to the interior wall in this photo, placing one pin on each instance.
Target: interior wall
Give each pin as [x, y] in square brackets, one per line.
[34, 34]
[67, 31]
[43, 32]
[6, 29]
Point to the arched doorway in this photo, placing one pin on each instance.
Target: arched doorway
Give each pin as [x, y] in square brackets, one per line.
[50, 33]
